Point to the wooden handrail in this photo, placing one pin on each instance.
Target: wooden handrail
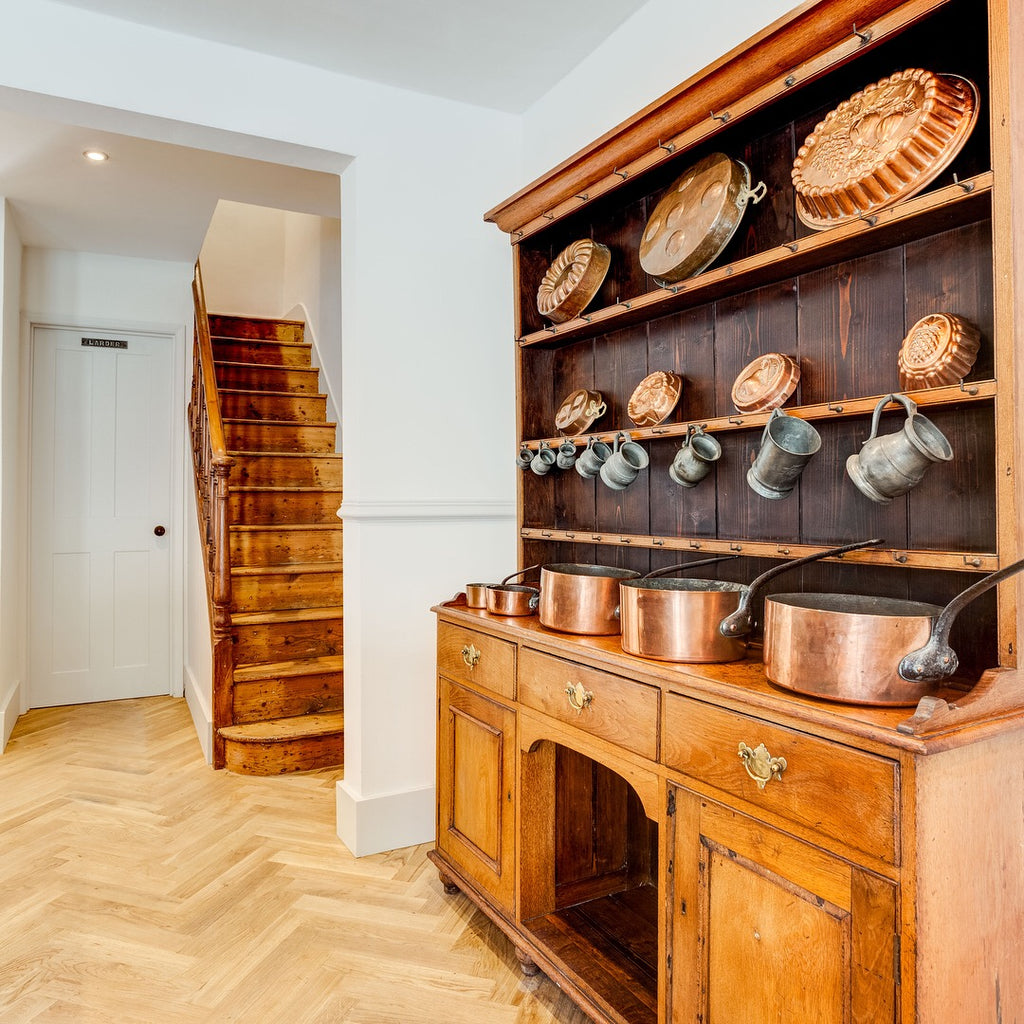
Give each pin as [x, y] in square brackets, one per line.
[212, 467]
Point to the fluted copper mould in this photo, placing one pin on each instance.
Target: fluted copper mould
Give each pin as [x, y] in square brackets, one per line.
[882, 145]
[572, 280]
[654, 398]
[939, 349]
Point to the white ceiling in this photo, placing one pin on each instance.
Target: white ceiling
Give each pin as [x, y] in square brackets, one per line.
[494, 53]
[154, 199]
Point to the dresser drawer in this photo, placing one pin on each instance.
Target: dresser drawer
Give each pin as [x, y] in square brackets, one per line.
[843, 793]
[616, 709]
[467, 656]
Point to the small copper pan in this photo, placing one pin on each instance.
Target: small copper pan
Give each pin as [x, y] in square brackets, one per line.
[506, 598]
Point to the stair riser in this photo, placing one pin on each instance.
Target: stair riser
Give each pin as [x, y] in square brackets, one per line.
[282, 590]
[284, 437]
[301, 408]
[278, 758]
[288, 641]
[278, 547]
[267, 378]
[283, 507]
[268, 471]
[283, 698]
[265, 353]
[246, 327]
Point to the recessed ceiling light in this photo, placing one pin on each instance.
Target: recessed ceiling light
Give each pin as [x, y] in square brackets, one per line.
[96, 155]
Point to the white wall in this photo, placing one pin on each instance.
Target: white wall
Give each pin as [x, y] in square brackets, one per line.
[657, 48]
[12, 483]
[425, 320]
[277, 263]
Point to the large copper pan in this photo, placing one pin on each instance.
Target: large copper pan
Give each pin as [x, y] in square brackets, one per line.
[853, 648]
[676, 619]
[579, 598]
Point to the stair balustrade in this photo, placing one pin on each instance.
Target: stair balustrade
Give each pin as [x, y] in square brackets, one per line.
[212, 470]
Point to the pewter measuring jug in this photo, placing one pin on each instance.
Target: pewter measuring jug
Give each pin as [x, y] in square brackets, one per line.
[893, 464]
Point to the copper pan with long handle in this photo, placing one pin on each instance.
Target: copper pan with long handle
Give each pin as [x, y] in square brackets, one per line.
[853, 648]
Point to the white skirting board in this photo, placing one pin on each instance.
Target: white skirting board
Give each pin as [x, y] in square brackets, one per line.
[10, 710]
[386, 822]
[202, 718]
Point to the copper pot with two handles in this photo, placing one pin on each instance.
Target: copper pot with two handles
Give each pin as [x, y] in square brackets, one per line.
[853, 648]
[677, 619]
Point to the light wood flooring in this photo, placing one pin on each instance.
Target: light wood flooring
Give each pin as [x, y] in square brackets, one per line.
[138, 886]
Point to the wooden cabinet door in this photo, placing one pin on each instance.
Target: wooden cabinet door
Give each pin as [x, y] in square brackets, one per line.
[765, 927]
[475, 795]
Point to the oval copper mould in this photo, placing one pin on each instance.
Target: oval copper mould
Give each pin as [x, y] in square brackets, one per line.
[654, 398]
[884, 144]
[765, 383]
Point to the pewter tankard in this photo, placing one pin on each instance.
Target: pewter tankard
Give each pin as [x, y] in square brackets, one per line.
[891, 465]
[787, 445]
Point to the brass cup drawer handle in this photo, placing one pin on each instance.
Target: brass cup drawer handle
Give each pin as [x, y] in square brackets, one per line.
[579, 696]
[760, 765]
[470, 655]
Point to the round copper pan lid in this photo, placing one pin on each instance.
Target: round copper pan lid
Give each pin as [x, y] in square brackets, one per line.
[939, 349]
[696, 217]
[572, 280]
[654, 398]
[885, 143]
[765, 383]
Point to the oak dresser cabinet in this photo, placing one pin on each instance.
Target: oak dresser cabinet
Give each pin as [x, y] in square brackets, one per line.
[689, 842]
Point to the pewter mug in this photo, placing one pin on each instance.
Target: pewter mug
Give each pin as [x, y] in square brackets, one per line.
[624, 464]
[524, 458]
[589, 464]
[888, 466]
[566, 456]
[543, 460]
[787, 445]
[694, 459]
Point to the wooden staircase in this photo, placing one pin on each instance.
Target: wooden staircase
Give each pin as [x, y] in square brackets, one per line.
[285, 711]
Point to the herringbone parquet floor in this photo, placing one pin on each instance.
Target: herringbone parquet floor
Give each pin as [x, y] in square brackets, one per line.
[138, 886]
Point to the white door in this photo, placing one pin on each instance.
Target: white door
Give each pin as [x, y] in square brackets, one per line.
[100, 495]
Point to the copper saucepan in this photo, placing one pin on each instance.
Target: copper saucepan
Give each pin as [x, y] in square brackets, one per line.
[852, 648]
[506, 598]
[676, 619]
[579, 598]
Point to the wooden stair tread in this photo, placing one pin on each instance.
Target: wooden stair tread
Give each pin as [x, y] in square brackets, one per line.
[301, 667]
[288, 615]
[234, 338]
[286, 569]
[263, 366]
[283, 730]
[281, 423]
[256, 392]
[286, 490]
[285, 527]
[263, 453]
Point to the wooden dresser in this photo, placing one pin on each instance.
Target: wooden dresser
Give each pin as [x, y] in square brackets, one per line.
[689, 843]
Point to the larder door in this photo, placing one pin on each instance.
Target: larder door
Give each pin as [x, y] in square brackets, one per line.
[100, 502]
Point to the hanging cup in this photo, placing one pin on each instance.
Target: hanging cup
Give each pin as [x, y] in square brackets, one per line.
[888, 466]
[566, 456]
[524, 458]
[625, 463]
[593, 457]
[787, 445]
[543, 460]
[694, 460]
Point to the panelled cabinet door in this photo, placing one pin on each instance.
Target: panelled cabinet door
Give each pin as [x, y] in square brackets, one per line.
[476, 804]
[764, 927]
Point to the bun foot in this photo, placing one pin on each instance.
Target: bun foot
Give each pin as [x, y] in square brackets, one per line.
[449, 885]
[526, 964]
